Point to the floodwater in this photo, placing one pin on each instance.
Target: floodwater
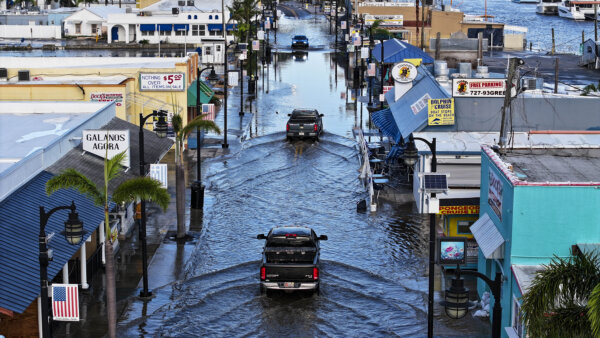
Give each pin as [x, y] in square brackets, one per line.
[374, 265]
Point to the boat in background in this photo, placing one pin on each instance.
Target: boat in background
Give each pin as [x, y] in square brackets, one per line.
[526, 1]
[576, 10]
[548, 7]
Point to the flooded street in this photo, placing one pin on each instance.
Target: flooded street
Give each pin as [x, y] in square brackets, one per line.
[374, 265]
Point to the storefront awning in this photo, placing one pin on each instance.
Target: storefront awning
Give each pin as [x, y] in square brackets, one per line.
[205, 93]
[181, 27]
[147, 28]
[385, 121]
[488, 237]
[219, 27]
[165, 27]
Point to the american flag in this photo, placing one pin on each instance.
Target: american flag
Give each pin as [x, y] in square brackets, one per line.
[208, 110]
[371, 69]
[65, 302]
[255, 45]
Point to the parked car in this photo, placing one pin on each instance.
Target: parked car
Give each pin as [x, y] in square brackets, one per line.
[290, 259]
[300, 41]
[304, 123]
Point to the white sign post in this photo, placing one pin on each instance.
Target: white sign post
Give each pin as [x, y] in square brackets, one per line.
[95, 142]
[162, 82]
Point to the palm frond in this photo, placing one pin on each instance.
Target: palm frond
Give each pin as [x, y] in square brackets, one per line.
[73, 179]
[177, 122]
[142, 188]
[594, 310]
[114, 167]
[199, 123]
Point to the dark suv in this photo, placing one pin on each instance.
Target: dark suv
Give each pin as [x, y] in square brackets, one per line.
[300, 41]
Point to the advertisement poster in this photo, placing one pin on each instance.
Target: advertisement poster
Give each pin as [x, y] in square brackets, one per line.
[478, 87]
[107, 97]
[441, 112]
[495, 193]
[459, 210]
[170, 82]
[95, 142]
[420, 104]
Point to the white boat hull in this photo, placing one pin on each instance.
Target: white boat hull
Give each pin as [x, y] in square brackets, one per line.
[526, 1]
[570, 13]
[547, 8]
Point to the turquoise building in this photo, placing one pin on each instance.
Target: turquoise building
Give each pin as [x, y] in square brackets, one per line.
[535, 204]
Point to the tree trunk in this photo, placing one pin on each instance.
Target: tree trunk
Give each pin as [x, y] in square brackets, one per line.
[180, 199]
[111, 299]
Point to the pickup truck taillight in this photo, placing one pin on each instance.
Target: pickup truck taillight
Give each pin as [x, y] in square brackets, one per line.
[287, 127]
[263, 273]
[316, 127]
[315, 273]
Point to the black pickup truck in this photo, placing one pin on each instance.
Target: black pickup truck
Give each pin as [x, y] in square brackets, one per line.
[304, 123]
[290, 259]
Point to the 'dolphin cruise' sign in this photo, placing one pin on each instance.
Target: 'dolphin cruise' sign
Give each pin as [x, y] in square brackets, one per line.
[98, 142]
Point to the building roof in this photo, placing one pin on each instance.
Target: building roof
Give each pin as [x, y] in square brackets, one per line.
[397, 51]
[70, 79]
[28, 126]
[15, 62]
[19, 230]
[104, 11]
[574, 165]
[205, 5]
[410, 111]
[524, 275]
[92, 166]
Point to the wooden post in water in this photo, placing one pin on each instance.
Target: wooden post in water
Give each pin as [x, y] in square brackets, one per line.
[553, 44]
[556, 76]
[480, 48]
[582, 36]
[596, 23]
[437, 46]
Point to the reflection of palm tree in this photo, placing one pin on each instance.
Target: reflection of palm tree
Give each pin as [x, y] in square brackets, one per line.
[564, 298]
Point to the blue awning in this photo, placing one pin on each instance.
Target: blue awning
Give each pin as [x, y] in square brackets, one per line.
[397, 51]
[19, 229]
[180, 27]
[165, 27]
[384, 120]
[219, 27]
[147, 28]
[410, 111]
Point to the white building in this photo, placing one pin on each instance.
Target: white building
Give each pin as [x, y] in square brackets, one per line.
[89, 21]
[175, 22]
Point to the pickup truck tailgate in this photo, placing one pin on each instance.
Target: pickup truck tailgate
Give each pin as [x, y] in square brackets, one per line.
[289, 272]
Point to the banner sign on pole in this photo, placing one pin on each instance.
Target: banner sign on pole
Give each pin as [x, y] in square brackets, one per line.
[364, 52]
[158, 171]
[478, 87]
[371, 69]
[268, 24]
[255, 45]
[95, 142]
[233, 79]
[260, 35]
[65, 302]
[441, 112]
[356, 40]
[343, 24]
[208, 110]
[165, 82]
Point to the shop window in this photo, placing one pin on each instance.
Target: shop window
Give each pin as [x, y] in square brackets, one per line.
[181, 32]
[210, 17]
[216, 17]
[463, 227]
[165, 33]
[215, 33]
[77, 28]
[202, 30]
[147, 33]
[517, 318]
[189, 17]
[195, 17]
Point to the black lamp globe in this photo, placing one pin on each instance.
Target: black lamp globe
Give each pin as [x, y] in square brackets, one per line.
[456, 303]
[410, 154]
[212, 78]
[161, 126]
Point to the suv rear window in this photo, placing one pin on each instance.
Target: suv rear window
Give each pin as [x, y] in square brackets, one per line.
[304, 113]
[290, 241]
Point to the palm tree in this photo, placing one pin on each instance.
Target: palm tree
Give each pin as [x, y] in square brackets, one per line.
[560, 301]
[181, 132]
[139, 188]
[243, 11]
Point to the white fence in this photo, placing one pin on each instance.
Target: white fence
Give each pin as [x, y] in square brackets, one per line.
[365, 169]
[30, 32]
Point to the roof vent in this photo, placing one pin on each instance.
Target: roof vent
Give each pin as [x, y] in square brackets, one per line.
[23, 75]
[3, 74]
[175, 10]
[181, 3]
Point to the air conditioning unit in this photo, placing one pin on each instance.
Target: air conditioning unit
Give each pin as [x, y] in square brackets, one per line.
[174, 10]
[532, 83]
[3, 74]
[181, 3]
[23, 75]
[128, 10]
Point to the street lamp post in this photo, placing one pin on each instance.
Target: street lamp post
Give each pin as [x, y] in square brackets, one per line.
[197, 189]
[241, 86]
[456, 303]
[410, 158]
[73, 234]
[161, 131]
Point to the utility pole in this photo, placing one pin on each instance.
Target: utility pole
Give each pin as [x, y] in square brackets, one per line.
[422, 24]
[512, 65]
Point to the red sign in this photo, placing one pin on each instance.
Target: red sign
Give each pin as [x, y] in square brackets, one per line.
[459, 210]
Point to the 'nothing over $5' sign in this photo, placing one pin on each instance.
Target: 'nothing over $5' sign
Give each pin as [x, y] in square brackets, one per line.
[162, 82]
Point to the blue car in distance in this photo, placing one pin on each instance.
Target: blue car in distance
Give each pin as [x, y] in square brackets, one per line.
[300, 41]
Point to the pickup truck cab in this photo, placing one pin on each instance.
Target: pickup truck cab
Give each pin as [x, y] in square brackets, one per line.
[304, 123]
[290, 259]
[300, 41]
